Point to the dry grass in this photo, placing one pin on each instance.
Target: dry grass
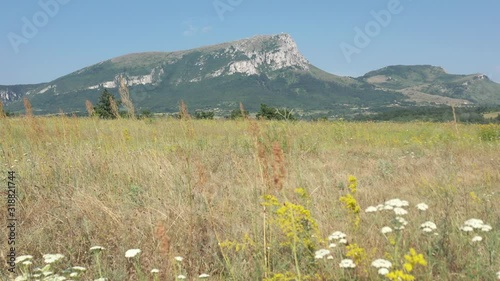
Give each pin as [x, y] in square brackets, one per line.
[180, 187]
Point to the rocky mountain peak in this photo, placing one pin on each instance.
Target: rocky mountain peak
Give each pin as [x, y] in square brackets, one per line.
[271, 52]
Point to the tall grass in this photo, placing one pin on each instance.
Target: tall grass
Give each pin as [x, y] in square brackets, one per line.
[198, 188]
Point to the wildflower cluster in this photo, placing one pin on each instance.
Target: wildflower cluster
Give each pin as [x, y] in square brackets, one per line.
[297, 224]
[338, 237]
[428, 227]
[350, 202]
[475, 224]
[413, 259]
[382, 266]
[395, 205]
[347, 263]
[358, 254]
[52, 271]
[49, 271]
[247, 243]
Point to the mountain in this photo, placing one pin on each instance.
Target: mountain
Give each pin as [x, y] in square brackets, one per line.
[426, 83]
[263, 69]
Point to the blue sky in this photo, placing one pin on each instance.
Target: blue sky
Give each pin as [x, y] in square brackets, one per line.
[461, 36]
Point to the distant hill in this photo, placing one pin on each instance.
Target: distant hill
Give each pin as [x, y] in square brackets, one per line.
[425, 83]
[263, 69]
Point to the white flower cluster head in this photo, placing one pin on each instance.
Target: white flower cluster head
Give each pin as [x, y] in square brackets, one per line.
[395, 205]
[428, 227]
[475, 224]
[472, 224]
[386, 230]
[132, 253]
[337, 236]
[347, 263]
[320, 254]
[382, 266]
[203, 276]
[498, 275]
[477, 239]
[179, 258]
[422, 207]
[52, 258]
[401, 222]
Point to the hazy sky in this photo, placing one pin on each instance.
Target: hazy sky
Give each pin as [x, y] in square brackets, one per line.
[43, 40]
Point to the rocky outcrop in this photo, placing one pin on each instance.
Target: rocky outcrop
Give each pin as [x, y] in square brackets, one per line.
[8, 95]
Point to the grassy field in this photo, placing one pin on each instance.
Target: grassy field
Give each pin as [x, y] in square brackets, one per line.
[248, 200]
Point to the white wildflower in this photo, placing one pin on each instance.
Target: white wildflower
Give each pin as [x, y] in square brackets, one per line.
[74, 274]
[154, 271]
[498, 275]
[330, 257]
[204, 275]
[337, 235]
[477, 239]
[332, 245]
[400, 211]
[321, 254]
[388, 207]
[347, 263]
[371, 209]
[383, 271]
[401, 220]
[474, 223]
[428, 226]
[181, 277]
[52, 258]
[422, 207]
[381, 263]
[466, 228]
[486, 228]
[386, 230]
[26, 263]
[79, 268]
[397, 203]
[343, 241]
[132, 253]
[179, 258]
[380, 207]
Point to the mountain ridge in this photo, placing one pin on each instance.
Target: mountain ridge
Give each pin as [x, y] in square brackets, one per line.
[260, 69]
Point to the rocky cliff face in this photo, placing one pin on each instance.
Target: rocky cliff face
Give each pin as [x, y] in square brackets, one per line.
[271, 52]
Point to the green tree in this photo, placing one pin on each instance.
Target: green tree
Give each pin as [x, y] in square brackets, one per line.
[204, 115]
[237, 114]
[271, 113]
[103, 109]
